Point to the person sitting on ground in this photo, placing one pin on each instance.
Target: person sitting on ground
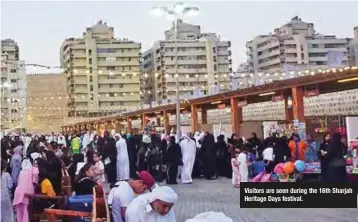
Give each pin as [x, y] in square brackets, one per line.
[124, 192]
[84, 183]
[155, 206]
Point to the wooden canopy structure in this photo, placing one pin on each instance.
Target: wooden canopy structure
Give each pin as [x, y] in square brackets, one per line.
[325, 81]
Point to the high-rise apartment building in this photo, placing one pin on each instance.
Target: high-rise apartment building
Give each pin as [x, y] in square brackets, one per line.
[13, 87]
[203, 60]
[296, 46]
[354, 49]
[46, 102]
[103, 72]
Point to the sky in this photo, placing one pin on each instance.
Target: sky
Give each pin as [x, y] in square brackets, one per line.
[39, 27]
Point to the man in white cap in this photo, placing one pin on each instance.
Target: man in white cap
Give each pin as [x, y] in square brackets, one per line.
[153, 207]
[122, 158]
[188, 150]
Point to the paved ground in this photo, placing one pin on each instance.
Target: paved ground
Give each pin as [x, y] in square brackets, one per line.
[219, 195]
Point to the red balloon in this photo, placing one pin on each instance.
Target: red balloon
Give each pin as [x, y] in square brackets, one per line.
[289, 167]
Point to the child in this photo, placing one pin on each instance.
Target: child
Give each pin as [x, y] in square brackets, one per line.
[99, 169]
[243, 165]
[235, 171]
[7, 213]
[258, 166]
[46, 188]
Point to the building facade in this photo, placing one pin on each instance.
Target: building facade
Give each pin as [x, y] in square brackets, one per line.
[296, 46]
[354, 49]
[13, 87]
[102, 72]
[202, 62]
[46, 102]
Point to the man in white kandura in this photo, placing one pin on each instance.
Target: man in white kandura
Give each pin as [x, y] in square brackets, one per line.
[188, 150]
[155, 206]
[122, 158]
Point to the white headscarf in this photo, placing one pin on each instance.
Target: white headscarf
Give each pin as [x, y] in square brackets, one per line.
[80, 165]
[197, 138]
[186, 136]
[164, 193]
[210, 217]
[86, 139]
[35, 155]
[18, 149]
[146, 139]
[61, 139]
[26, 164]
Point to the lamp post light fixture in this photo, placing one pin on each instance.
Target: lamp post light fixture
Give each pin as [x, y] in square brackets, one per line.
[178, 11]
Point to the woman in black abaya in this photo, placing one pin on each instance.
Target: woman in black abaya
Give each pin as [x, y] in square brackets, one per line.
[208, 156]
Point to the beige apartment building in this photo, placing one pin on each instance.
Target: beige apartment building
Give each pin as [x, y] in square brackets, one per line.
[46, 102]
[102, 72]
[296, 46]
[13, 87]
[203, 59]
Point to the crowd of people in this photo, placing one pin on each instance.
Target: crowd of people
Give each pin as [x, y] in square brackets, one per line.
[133, 163]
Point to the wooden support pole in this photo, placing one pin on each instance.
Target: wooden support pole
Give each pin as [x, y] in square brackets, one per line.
[129, 125]
[116, 126]
[98, 128]
[166, 122]
[288, 111]
[236, 115]
[297, 104]
[144, 121]
[204, 116]
[194, 118]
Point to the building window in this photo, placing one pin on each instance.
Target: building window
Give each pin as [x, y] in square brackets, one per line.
[129, 59]
[13, 70]
[14, 90]
[214, 58]
[111, 94]
[214, 50]
[91, 79]
[120, 85]
[111, 103]
[111, 68]
[89, 61]
[111, 85]
[91, 87]
[214, 67]
[91, 96]
[89, 52]
[13, 80]
[90, 70]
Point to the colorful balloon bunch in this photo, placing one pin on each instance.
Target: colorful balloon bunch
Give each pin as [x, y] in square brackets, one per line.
[284, 170]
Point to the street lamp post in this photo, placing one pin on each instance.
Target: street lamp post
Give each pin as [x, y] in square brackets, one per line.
[178, 11]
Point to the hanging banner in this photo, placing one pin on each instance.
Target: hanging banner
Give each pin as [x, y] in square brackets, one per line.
[242, 103]
[221, 106]
[311, 93]
[277, 98]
